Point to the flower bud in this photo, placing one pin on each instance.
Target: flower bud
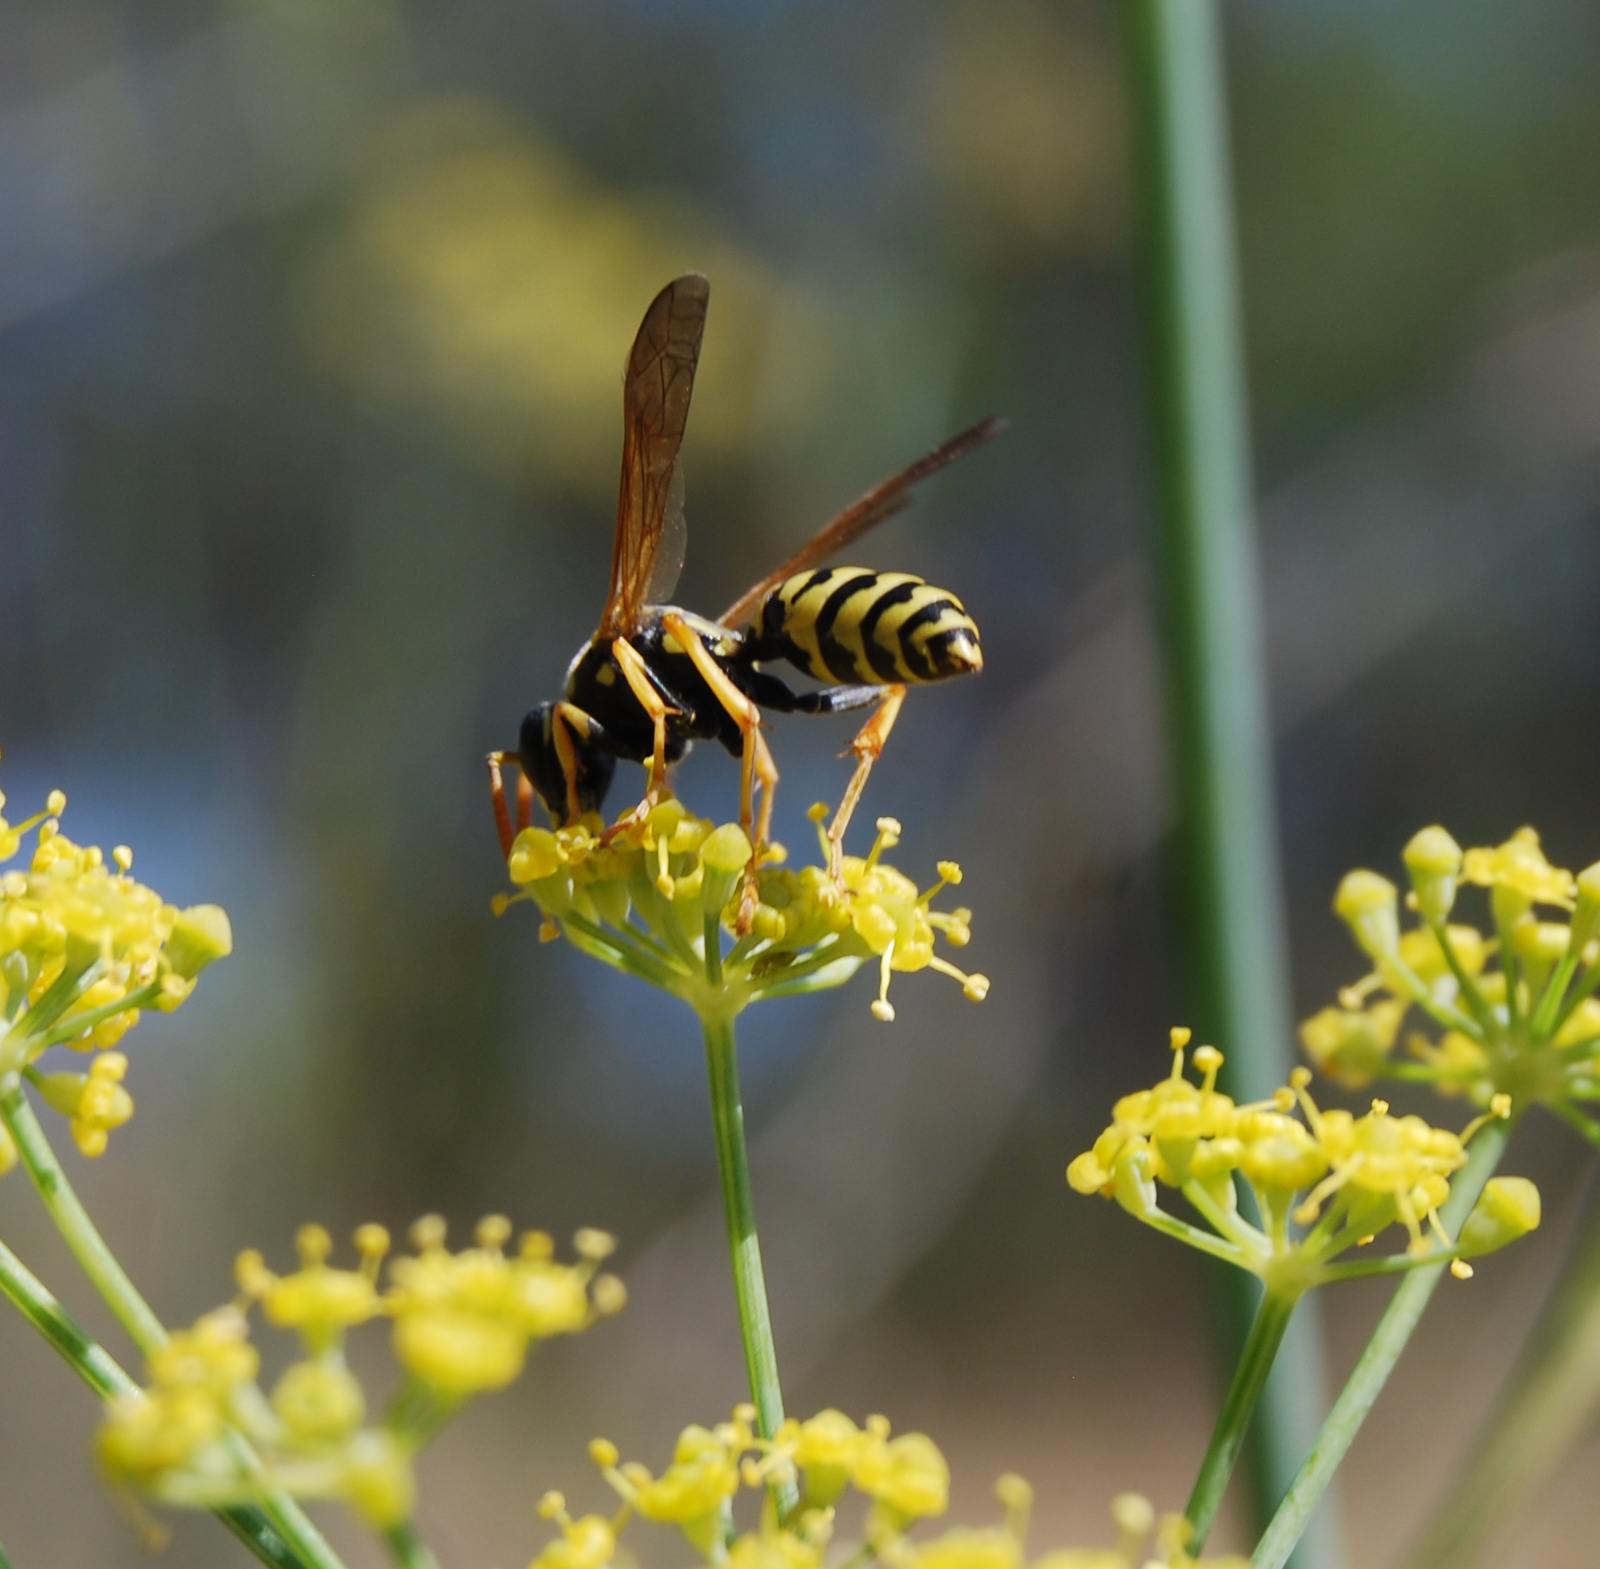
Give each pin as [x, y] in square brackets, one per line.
[1369, 905]
[200, 935]
[1507, 1210]
[319, 1400]
[1434, 860]
[725, 854]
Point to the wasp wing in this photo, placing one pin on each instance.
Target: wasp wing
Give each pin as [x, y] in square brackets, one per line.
[656, 390]
[881, 502]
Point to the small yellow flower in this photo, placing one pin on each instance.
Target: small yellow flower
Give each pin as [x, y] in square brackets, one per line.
[463, 1321]
[320, 1400]
[907, 1475]
[320, 1302]
[587, 1543]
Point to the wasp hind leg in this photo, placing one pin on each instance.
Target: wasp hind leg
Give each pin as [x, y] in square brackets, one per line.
[755, 761]
[868, 748]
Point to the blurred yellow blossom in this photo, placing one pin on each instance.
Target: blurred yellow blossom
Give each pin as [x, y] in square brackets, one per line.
[463, 1323]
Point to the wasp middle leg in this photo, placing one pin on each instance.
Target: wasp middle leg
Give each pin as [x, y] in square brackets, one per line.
[637, 674]
[755, 762]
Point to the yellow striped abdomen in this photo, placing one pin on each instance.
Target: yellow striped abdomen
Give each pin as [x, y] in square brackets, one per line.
[847, 624]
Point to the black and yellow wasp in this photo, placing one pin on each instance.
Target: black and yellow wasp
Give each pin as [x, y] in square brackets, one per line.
[654, 678]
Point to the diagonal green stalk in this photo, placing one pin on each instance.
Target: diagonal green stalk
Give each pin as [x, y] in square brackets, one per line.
[100, 1371]
[1372, 1372]
[133, 1312]
[1207, 582]
[72, 1221]
[1238, 1407]
[5, 1562]
[733, 1167]
[1547, 1408]
[408, 1549]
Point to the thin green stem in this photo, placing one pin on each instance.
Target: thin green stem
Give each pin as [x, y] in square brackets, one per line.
[1182, 1231]
[1209, 602]
[1466, 982]
[5, 1562]
[749, 1286]
[90, 1360]
[1366, 1383]
[1238, 1407]
[73, 1222]
[1584, 989]
[72, 1028]
[1587, 1127]
[1392, 1264]
[132, 1311]
[101, 1372]
[1545, 1410]
[408, 1549]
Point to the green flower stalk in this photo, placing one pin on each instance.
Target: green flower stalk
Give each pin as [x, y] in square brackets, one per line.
[658, 897]
[1325, 1183]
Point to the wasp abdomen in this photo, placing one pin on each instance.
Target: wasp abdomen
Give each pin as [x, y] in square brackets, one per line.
[849, 624]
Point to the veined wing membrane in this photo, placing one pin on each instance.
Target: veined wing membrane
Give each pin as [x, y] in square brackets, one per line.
[657, 386]
[879, 503]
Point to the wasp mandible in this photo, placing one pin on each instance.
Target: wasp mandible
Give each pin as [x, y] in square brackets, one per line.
[655, 678]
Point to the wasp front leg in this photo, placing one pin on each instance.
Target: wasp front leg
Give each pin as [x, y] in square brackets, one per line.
[755, 761]
[497, 794]
[868, 748]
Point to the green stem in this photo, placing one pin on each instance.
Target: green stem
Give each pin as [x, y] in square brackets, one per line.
[100, 1371]
[1365, 1384]
[73, 1222]
[5, 1562]
[1546, 1409]
[749, 1286]
[408, 1549]
[1239, 1406]
[132, 1311]
[1208, 592]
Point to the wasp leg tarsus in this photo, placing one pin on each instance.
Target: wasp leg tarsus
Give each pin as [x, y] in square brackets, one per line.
[755, 762]
[868, 747]
[497, 793]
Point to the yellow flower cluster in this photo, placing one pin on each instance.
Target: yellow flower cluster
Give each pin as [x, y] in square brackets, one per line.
[1324, 1181]
[1514, 1004]
[462, 1325]
[83, 948]
[658, 898]
[905, 1479]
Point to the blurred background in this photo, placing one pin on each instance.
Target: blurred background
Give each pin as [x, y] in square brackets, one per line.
[312, 319]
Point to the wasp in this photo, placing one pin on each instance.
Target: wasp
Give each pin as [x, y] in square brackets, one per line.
[655, 678]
